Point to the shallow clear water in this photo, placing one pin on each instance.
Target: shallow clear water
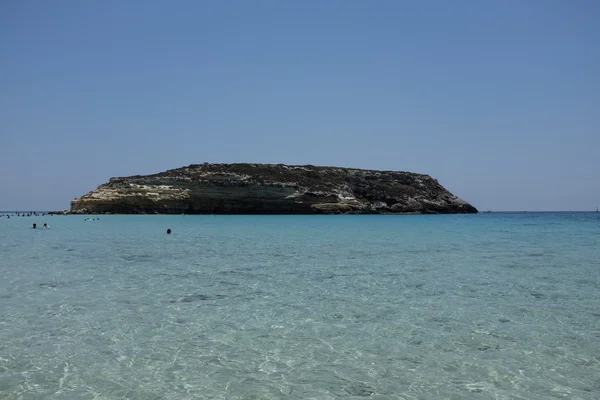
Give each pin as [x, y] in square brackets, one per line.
[488, 306]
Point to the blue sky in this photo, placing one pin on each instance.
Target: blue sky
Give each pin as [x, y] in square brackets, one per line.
[498, 100]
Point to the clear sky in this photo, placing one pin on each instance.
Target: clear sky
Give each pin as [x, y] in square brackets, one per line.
[498, 100]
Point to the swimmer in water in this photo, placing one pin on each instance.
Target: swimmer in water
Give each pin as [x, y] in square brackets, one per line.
[45, 226]
[34, 226]
[169, 231]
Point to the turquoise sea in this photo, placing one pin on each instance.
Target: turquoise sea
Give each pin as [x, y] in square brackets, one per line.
[486, 306]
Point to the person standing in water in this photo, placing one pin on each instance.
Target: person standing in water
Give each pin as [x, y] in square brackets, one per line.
[34, 226]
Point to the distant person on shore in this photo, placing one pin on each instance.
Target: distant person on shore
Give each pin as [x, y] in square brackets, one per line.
[169, 231]
[34, 226]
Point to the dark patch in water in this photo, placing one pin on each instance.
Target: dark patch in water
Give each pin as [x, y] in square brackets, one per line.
[415, 340]
[240, 271]
[138, 257]
[180, 321]
[225, 283]
[50, 285]
[198, 297]
[536, 254]
[359, 389]
[504, 320]
[440, 320]
[484, 347]
[195, 297]
[54, 285]
[186, 275]
[414, 360]
[537, 295]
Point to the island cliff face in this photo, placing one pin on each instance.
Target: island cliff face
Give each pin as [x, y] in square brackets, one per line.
[271, 189]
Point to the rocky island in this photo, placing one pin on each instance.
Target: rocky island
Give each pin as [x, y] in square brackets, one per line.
[271, 189]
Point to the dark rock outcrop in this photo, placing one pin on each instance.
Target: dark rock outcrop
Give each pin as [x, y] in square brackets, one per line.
[271, 189]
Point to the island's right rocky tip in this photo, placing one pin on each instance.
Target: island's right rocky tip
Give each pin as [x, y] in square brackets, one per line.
[271, 189]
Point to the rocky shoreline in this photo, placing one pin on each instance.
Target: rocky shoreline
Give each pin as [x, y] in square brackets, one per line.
[270, 189]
